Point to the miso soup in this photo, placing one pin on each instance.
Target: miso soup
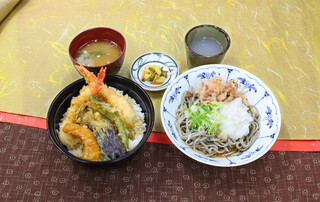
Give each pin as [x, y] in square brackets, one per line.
[98, 53]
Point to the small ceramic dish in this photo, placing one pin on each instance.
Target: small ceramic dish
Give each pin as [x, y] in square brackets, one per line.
[154, 58]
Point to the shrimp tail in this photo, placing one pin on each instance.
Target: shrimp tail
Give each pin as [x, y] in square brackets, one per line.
[97, 82]
[87, 75]
[102, 74]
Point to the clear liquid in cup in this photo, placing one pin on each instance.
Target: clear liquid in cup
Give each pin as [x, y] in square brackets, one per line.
[206, 47]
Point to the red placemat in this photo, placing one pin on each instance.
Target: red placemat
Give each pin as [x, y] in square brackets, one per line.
[157, 137]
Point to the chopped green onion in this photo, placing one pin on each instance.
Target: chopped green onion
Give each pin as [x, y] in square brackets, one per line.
[94, 53]
[204, 116]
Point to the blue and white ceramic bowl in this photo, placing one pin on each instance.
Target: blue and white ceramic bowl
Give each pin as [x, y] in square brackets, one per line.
[258, 94]
[154, 58]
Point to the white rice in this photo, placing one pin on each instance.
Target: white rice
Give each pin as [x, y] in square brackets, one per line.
[139, 128]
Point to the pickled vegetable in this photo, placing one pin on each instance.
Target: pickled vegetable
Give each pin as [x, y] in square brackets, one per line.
[155, 74]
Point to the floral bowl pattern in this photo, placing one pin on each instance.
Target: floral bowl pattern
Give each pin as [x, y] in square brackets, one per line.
[258, 94]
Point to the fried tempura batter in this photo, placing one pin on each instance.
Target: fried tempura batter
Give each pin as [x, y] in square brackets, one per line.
[127, 112]
[91, 149]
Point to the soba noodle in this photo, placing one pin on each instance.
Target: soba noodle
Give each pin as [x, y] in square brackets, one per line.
[211, 145]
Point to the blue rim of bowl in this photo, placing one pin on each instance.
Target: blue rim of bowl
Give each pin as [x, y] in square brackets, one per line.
[62, 99]
[162, 59]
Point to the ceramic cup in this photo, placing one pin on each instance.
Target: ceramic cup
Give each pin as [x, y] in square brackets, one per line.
[206, 44]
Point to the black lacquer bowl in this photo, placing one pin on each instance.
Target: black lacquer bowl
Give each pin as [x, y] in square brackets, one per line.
[61, 103]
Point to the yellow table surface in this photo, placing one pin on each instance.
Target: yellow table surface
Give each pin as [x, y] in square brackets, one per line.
[278, 41]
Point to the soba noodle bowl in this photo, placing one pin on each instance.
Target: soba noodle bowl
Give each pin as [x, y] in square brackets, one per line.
[216, 119]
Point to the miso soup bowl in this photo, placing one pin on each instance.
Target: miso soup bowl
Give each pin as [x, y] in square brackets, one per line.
[99, 33]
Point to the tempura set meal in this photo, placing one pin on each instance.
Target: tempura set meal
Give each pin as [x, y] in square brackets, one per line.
[101, 123]
[216, 119]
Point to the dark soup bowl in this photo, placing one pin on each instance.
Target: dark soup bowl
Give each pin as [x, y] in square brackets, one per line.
[62, 101]
[109, 38]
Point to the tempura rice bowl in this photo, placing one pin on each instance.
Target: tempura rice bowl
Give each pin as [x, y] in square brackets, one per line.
[61, 103]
